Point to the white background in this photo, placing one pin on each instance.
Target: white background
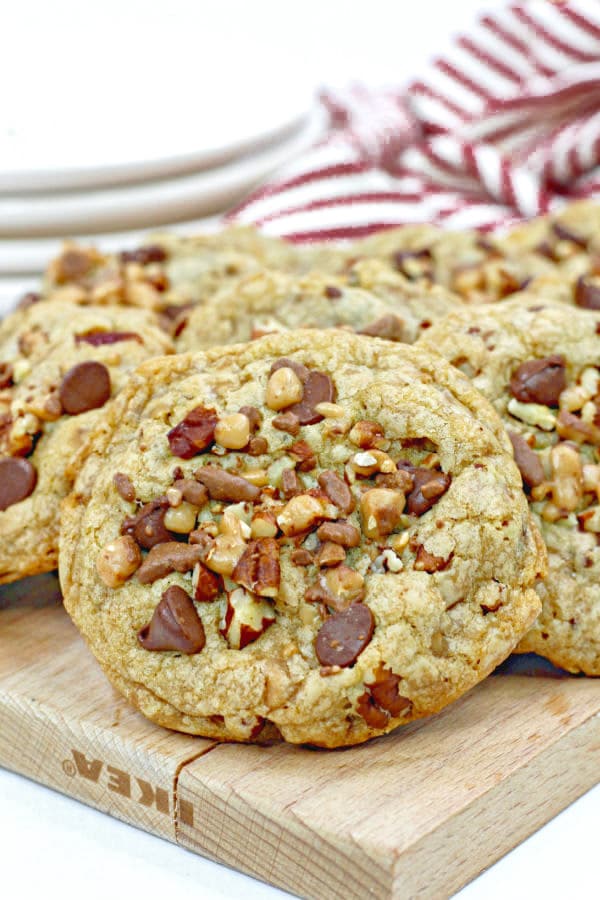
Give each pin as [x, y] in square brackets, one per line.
[51, 846]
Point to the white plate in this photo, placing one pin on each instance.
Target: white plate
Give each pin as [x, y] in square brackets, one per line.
[152, 203]
[123, 92]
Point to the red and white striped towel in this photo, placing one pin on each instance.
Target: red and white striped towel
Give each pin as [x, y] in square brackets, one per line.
[503, 127]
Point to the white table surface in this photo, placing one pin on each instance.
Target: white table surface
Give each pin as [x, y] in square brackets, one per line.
[54, 847]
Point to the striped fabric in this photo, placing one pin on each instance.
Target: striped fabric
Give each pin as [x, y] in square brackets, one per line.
[505, 126]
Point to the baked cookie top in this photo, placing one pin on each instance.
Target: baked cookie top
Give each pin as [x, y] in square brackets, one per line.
[316, 535]
[539, 364]
[59, 366]
[270, 301]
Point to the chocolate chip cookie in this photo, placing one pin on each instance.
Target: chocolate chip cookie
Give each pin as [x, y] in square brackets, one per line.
[539, 365]
[59, 365]
[270, 301]
[314, 535]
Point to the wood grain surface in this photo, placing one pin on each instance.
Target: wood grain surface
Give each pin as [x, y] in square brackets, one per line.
[415, 814]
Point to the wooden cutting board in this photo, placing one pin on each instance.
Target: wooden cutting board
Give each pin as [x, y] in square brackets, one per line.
[415, 814]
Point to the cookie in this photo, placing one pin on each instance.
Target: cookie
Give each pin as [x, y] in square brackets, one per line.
[315, 534]
[59, 366]
[538, 363]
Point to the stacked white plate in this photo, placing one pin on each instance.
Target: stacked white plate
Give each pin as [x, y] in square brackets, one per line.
[104, 150]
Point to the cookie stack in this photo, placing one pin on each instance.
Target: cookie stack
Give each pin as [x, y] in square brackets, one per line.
[277, 518]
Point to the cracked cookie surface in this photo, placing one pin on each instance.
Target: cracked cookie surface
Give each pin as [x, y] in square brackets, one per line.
[59, 365]
[538, 363]
[314, 535]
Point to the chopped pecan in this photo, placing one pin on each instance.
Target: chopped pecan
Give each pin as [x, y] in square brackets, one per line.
[382, 699]
[539, 381]
[6, 375]
[191, 491]
[366, 435]
[340, 532]
[290, 485]
[302, 513]
[258, 568]
[427, 562]
[370, 712]
[286, 421]
[337, 490]
[166, 558]
[124, 486]
[330, 554]
[345, 585]
[572, 428]
[428, 486]
[304, 454]
[222, 485]
[194, 434]
[301, 557]
[381, 510]
[257, 446]
[246, 618]
[206, 585]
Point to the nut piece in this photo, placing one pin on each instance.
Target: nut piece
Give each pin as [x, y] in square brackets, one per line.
[118, 560]
[169, 557]
[427, 562]
[194, 434]
[124, 487]
[330, 554]
[385, 692]
[318, 388]
[572, 428]
[181, 519]
[263, 525]
[341, 532]
[337, 490]
[284, 388]
[191, 491]
[428, 485]
[147, 527]
[381, 510]
[222, 485]
[304, 454]
[532, 414]
[287, 422]
[367, 435]
[175, 624]
[302, 513]
[246, 618]
[567, 469]
[224, 554]
[290, 483]
[206, 586]
[253, 415]
[233, 432]
[346, 586]
[258, 568]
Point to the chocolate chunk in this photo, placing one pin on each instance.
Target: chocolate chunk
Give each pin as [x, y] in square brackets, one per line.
[390, 327]
[587, 294]
[17, 480]
[175, 624]
[168, 557]
[539, 381]
[318, 388]
[86, 386]
[6, 375]
[340, 532]
[194, 434]
[148, 525]
[337, 490]
[385, 692]
[257, 446]
[301, 371]
[124, 487]
[222, 485]
[151, 253]
[528, 462]
[428, 486]
[99, 338]
[258, 568]
[344, 635]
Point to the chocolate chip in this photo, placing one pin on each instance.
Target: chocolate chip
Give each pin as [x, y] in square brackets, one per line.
[344, 635]
[222, 485]
[340, 532]
[258, 568]
[17, 480]
[318, 388]
[428, 486]
[587, 294]
[150, 253]
[99, 338]
[528, 462]
[337, 490]
[332, 292]
[6, 375]
[166, 558]
[124, 486]
[194, 434]
[175, 624]
[390, 327]
[86, 386]
[539, 381]
[148, 526]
